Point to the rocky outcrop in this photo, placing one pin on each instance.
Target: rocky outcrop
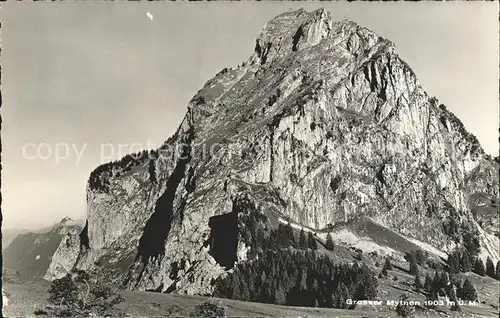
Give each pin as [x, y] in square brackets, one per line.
[322, 124]
[65, 256]
[33, 253]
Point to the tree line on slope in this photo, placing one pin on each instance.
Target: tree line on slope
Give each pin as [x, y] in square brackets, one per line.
[298, 278]
[441, 284]
[255, 234]
[125, 164]
[460, 261]
[283, 268]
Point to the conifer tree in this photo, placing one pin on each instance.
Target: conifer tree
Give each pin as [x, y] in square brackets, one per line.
[479, 267]
[418, 283]
[384, 271]
[311, 242]
[280, 296]
[272, 241]
[315, 293]
[471, 242]
[428, 283]
[368, 284]
[387, 264]
[341, 296]
[465, 262]
[490, 267]
[440, 281]
[235, 288]
[283, 240]
[291, 236]
[413, 263]
[302, 240]
[329, 242]
[402, 309]
[421, 257]
[244, 292]
[468, 292]
[454, 262]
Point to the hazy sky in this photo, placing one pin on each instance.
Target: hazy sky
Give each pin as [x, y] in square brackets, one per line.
[103, 72]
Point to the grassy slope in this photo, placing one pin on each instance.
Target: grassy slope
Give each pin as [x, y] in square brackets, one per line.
[25, 298]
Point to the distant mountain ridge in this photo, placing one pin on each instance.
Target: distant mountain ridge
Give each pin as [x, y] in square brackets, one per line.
[8, 235]
[323, 125]
[31, 253]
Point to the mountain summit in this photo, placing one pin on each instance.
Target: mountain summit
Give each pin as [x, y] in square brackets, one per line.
[324, 127]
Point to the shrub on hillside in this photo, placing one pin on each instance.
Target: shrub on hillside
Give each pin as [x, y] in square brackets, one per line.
[208, 309]
[77, 295]
[403, 309]
[467, 291]
[63, 292]
[40, 312]
[479, 267]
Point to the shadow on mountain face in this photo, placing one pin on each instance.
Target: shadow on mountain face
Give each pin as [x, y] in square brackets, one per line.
[224, 238]
[84, 236]
[152, 242]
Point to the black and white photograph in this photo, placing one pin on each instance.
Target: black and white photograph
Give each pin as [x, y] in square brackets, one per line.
[250, 159]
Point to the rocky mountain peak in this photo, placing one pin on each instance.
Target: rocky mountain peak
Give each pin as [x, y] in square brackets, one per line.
[324, 125]
[291, 31]
[66, 225]
[296, 30]
[66, 220]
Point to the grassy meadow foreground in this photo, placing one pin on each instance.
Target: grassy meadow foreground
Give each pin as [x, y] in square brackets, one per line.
[26, 298]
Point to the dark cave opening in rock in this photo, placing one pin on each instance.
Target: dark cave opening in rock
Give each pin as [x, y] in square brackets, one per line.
[224, 238]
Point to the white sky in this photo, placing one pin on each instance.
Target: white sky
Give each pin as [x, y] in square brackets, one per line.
[103, 72]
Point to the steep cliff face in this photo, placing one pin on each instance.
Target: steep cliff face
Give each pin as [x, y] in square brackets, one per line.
[322, 124]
